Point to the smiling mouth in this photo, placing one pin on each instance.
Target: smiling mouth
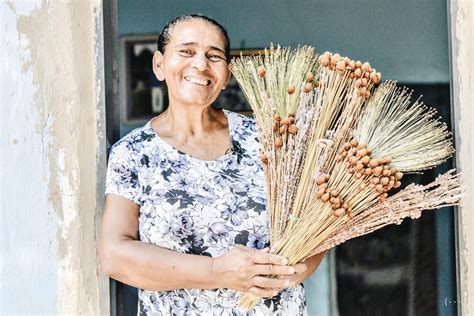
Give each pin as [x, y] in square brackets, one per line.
[200, 82]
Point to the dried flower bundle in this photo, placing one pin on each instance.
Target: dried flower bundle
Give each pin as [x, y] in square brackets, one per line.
[334, 145]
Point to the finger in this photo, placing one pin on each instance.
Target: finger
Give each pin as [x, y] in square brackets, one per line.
[269, 258]
[263, 292]
[271, 269]
[300, 267]
[270, 283]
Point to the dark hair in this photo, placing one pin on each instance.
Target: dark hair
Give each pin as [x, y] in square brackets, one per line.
[164, 37]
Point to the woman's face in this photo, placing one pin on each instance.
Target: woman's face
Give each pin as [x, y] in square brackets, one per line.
[194, 63]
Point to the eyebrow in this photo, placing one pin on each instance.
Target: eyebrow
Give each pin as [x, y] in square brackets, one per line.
[194, 43]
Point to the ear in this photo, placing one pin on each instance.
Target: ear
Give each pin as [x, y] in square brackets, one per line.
[158, 65]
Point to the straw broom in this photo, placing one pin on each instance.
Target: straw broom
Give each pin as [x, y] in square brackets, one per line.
[332, 149]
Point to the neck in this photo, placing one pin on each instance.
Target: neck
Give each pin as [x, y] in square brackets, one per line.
[189, 122]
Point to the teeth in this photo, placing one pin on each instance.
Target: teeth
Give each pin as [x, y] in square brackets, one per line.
[197, 81]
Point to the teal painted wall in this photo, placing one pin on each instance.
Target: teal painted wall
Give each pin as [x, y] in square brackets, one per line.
[405, 40]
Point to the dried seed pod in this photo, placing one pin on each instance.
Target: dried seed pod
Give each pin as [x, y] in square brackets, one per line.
[341, 66]
[384, 180]
[357, 73]
[373, 76]
[358, 64]
[397, 184]
[378, 170]
[365, 160]
[292, 129]
[369, 151]
[358, 175]
[375, 180]
[324, 60]
[291, 114]
[347, 146]
[264, 159]
[362, 90]
[309, 77]
[339, 212]
[319, 194]
[339, 158]
[324, 186]
[381, 161]
[308, 87]
[359, 166]
[391, 183]
[285, 121]
[335, 193]
[373, 163]
[353, 160]
[275, 126]
[325, 197]
[388, 159]
[361, 152]
[344, 154]
[366, 67]
[327, 177]
[335, 206]
[320, 180]
[379, 188]
[362, 186]
[332, 199]
[399, 175]
[386, 173]
[368, 171]
[349, 213]
[277, 118]
[345, 205]
[354, 143]
[261, 71]
[278, 142]
[334, 59]
[361, 146]
[379, 76]
[352, 64]
[366, 75]
[358, 83]
[283, 129]
[364, 82]
[291, 89]
[367, 94]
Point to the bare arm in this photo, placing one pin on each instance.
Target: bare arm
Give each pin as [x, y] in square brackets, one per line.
[125, 258]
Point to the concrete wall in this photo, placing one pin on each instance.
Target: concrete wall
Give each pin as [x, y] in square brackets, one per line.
[462, 39]
[52, 157]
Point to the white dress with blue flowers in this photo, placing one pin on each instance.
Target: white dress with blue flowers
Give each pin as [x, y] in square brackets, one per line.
[198, 207]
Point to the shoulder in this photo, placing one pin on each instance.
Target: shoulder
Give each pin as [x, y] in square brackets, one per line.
[242, 124]
[133, 144]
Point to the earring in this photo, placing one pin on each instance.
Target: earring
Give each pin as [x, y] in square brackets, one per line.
[223, 88]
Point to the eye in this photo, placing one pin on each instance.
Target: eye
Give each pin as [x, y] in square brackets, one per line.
[215, 58]
[186, 52]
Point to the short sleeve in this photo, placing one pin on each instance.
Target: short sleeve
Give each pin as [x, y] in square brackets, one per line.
[122, 175]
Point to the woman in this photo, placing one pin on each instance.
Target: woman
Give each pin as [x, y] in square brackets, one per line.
[185, 218]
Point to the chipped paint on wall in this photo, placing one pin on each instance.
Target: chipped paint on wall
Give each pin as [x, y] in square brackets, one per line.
[462, 32]
[55, 87]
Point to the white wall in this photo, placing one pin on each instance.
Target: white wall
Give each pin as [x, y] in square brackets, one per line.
[462, 39]
[52, 156]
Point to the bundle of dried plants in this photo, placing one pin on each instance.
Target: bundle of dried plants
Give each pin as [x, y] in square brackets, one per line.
[334, 143]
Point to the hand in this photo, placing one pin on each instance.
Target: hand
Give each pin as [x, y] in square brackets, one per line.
[247, 270]
[304, 269]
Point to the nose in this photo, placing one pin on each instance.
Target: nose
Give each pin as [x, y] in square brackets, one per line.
[200, 62]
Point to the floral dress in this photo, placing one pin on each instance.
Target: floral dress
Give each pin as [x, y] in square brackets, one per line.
[198, 207]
